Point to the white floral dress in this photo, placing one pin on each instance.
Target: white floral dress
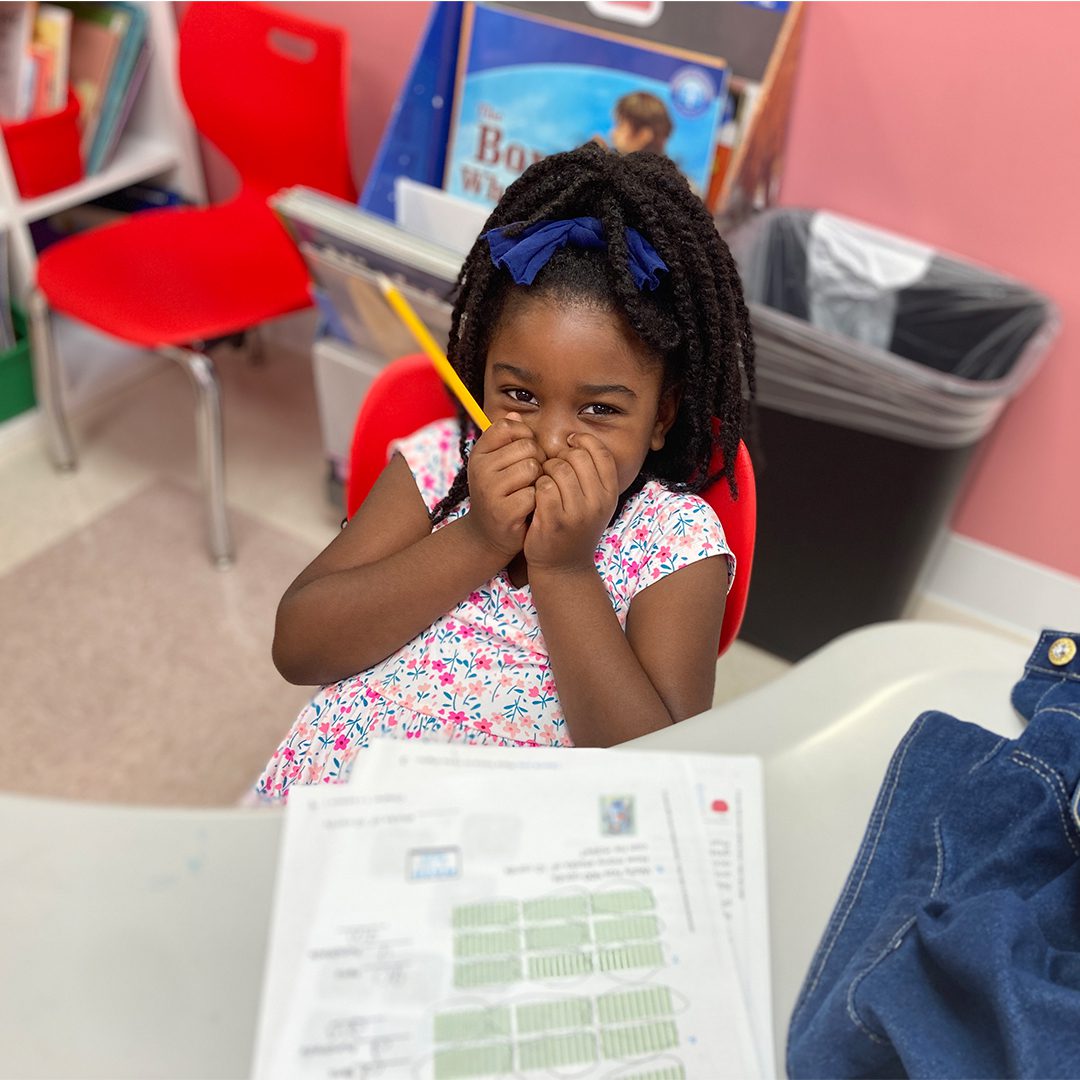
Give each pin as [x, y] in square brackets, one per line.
[481, 673]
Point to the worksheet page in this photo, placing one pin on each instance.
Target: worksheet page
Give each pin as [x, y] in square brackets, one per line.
[470, 911]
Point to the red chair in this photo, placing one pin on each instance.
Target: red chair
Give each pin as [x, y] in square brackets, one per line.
[407, 394]
[268, 89]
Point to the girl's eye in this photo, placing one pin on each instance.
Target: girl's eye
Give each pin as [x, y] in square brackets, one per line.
[600, 409]
[524, 397]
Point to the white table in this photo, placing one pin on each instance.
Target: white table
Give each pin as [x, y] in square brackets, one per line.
[132, 939]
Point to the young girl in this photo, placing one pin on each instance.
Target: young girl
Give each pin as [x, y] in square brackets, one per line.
[554, 581]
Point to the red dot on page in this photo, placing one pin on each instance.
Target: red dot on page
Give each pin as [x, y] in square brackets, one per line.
[719, 806]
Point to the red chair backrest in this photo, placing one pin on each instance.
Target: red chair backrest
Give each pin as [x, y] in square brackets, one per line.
[268, 89]
[408, 394]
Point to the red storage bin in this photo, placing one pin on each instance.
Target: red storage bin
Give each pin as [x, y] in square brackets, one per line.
[44, 150]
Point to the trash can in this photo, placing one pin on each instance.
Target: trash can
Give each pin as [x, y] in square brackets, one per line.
[881, 365]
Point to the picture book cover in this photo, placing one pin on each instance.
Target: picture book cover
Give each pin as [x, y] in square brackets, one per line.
[529, 86]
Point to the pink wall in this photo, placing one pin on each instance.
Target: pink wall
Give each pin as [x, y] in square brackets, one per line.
[955, 124]
[950, 123]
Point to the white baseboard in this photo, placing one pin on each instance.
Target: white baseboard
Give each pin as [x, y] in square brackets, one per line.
[1019, 595]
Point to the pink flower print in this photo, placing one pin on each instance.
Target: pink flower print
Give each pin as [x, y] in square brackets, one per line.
[413, 734]
[438, 665]
[341, 742]
[476, 688]
[549, 686]
[337, 729]
[475, 597]
[483, 725]
[483, 663]
[632, 568]
[534, 691]
[289, 754]
[650, 511]
[616, 544]
[507, 659]
[446, 678]
[641, 533]
[456, 717]
[512, 728]
[467, 631]
[324, 727]
[450, 625]
[665, 552]
[548, 731]
[294, 772]
[531, 742]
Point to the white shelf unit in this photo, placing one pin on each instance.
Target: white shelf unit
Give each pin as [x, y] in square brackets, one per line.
[159, 144]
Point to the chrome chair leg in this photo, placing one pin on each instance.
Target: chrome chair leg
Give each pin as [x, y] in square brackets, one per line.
[211, 450]
[47, 382]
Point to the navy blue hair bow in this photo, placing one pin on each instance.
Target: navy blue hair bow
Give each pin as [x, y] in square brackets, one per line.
[526, 254]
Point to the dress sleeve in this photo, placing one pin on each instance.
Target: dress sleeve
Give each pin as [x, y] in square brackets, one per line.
[433, 455]
[678, 529]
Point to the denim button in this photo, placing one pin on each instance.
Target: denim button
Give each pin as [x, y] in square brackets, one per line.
[1062, 651]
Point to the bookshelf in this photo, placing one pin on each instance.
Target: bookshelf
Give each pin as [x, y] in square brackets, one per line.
[159, 145]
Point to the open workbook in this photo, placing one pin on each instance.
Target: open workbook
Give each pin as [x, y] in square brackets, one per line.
[458, 912]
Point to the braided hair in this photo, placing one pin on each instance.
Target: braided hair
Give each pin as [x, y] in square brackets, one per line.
[695, 321]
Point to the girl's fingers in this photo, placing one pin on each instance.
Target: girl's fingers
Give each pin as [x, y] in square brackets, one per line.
[521, 503]
[548, 498]
[522, 473]
[570, 491]
[502, 433]
[509, 455]
[600, 456]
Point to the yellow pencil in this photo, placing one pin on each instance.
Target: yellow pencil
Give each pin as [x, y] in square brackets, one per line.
[405, 313]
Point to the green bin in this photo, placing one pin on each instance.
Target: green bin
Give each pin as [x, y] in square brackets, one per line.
[16, 372]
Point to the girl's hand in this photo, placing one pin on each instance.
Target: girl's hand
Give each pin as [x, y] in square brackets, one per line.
[503, 467]
[575, 499]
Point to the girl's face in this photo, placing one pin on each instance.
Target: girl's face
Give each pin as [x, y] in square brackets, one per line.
[568, 368]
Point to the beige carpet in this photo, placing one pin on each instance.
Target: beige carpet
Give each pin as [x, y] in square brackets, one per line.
[132, 671]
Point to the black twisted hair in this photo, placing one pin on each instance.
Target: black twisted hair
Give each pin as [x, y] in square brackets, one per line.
[695, 321]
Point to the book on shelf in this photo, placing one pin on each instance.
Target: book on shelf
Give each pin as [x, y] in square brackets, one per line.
[16, 29]
[52, 45]
[96, 33]
[132, 56]
[105, 147]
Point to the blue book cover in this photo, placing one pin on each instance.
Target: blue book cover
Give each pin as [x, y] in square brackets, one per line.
[529, 87]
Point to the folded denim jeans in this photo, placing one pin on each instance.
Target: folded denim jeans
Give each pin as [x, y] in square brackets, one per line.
[954, 949]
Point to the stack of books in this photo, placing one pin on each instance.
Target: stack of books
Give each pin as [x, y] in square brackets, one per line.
[99, 50]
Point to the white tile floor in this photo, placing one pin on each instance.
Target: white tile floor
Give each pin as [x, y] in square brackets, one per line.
[275, 471]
